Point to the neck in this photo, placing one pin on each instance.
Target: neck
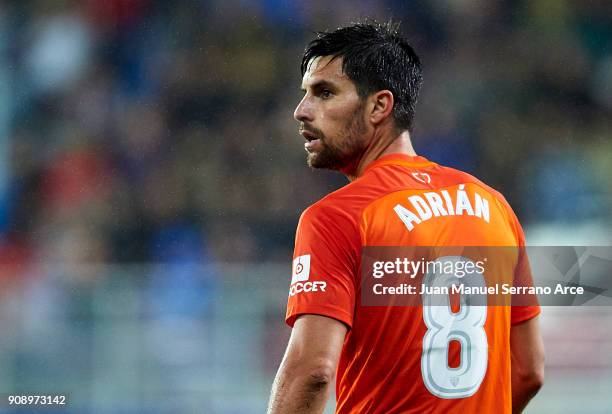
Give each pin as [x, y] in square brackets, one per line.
[381, 145]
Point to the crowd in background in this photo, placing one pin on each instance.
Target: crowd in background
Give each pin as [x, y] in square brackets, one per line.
[157, 131]
[145, 142]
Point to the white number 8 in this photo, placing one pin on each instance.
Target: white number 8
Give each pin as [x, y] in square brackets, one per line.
[444, 326]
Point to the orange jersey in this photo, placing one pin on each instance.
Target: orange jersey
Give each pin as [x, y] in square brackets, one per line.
[395, 359]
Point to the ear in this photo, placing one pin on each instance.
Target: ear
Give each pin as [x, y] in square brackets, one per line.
[381, 106]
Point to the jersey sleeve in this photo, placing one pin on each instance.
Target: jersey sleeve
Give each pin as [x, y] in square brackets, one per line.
[325, 262]
[527, 306]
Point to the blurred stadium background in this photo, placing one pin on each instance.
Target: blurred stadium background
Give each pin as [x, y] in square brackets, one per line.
[151, 178]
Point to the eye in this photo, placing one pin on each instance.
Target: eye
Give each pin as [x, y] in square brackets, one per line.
[325, 93]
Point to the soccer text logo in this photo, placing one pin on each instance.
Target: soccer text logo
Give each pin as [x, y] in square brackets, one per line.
[300, 275]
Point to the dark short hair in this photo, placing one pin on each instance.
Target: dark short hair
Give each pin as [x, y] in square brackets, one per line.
[375, 57]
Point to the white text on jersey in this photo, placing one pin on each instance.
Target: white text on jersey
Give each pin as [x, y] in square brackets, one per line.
[440, 203]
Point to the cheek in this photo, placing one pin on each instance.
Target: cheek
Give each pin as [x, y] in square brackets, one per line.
[335, 117]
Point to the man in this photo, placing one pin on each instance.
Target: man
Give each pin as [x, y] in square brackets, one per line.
[361, 84]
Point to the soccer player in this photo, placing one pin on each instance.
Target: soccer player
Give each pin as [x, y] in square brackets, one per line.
[360, 88]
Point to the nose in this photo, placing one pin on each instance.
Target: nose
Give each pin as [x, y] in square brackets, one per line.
[303, 111]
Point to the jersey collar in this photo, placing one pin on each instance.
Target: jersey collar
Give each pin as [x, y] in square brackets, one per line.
[414, 161]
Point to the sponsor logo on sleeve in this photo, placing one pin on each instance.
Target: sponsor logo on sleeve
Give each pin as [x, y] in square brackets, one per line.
[301, 269]
[300, 275]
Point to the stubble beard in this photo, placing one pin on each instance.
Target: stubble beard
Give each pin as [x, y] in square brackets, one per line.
[337, 156]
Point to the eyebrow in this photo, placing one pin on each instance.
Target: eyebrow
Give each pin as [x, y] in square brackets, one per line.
[320, 84]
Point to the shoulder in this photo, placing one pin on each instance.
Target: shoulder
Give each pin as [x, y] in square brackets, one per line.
[497, 196]
[336, 216]
[327, 215]
[343, 205]
[463, 177]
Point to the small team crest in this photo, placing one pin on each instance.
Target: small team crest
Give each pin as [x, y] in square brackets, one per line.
[454, 381]
[301, 269]
[422, 177]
